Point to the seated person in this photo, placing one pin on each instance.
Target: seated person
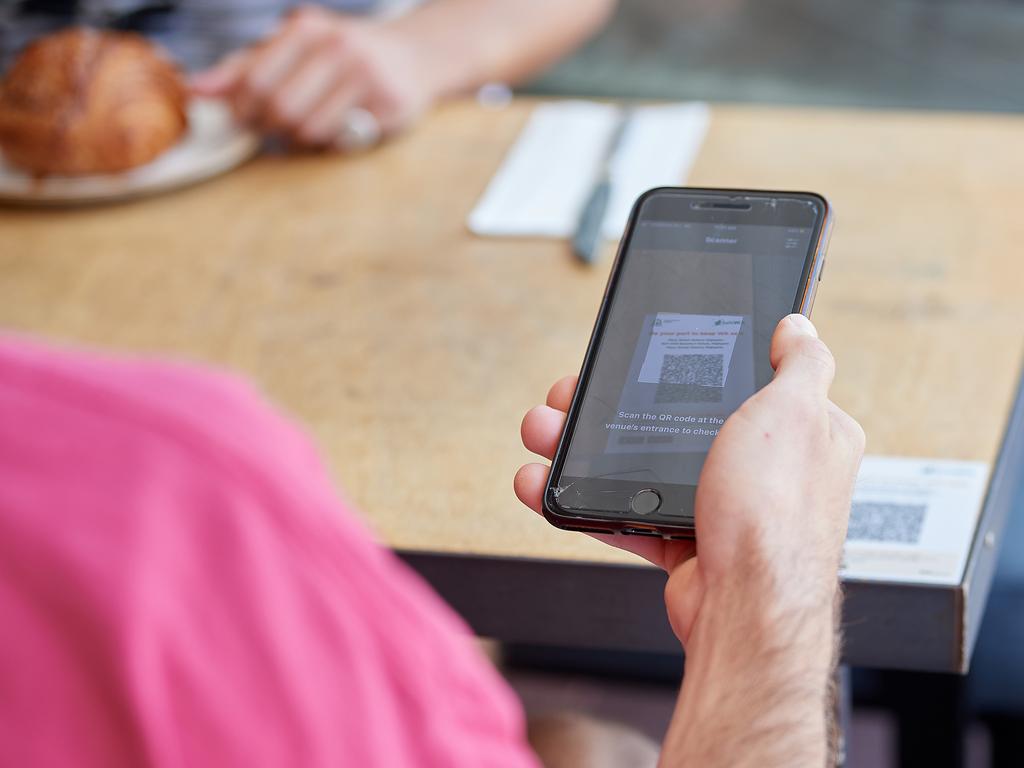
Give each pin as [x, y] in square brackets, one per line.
[334, 75]
[179, 584]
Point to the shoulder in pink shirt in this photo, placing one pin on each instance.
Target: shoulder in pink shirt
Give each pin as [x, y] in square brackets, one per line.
[179, 586]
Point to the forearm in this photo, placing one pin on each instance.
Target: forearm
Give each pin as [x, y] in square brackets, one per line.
[463, 44]
[757, 686]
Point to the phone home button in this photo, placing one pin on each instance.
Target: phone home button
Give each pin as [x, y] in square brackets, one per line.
[646, 501]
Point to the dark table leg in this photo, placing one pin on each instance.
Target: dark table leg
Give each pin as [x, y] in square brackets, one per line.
[932, 714]
[1007, 734]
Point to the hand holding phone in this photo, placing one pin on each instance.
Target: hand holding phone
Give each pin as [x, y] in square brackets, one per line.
[681, 341]
[774, 492]
[756, 606]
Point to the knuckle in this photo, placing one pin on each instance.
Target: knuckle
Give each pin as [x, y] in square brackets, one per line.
[861, 437]
[311, 134]
[363, 68]
[386, 108]
[855, 434]
[305, 16]
[337, 42]
[257, 80]
[252, 82]
[818, 352]
[848, 432]
[281, 110]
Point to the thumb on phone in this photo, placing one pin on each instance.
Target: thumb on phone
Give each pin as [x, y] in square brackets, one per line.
[800, 358]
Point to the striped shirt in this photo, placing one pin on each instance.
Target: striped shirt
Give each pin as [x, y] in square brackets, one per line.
[196, 32]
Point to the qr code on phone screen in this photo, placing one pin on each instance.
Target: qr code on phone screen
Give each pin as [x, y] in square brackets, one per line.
[877, 521]
[691, 379]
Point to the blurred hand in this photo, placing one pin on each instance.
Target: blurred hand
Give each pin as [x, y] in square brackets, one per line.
[773, 498]
[304, 81]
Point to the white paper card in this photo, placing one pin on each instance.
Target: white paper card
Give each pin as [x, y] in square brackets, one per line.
[548, 173]
[708, 337]
[913, 520]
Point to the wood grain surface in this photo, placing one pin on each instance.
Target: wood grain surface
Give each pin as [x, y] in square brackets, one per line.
[351, 291]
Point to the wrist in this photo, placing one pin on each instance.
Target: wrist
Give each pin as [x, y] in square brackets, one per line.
[776, 579]
[757, 685]
[762, 605]
[738, 622]
[430, 69]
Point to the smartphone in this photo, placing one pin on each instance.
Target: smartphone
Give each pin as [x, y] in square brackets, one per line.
[682, 338]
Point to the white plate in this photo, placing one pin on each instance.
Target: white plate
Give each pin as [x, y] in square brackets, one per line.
[212, 145]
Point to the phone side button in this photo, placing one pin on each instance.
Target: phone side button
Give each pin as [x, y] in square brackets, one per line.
[821, 269]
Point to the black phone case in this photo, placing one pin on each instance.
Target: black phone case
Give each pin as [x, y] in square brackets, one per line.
[803, 303]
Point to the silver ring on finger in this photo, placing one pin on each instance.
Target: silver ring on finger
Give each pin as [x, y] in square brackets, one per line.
[359, 130]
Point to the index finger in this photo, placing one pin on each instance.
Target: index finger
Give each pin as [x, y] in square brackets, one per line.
[277, 56]
[561, 392]
[223, 77]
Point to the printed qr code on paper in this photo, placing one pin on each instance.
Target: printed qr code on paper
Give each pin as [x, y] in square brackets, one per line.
[879, 521]
[691, 379]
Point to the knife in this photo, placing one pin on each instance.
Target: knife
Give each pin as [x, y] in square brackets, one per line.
[587, 240]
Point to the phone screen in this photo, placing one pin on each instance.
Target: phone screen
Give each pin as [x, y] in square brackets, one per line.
[702, 281]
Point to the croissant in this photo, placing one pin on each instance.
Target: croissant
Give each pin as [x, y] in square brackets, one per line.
[88, 102]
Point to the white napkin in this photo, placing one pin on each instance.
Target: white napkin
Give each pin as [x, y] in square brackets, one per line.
[548, 173]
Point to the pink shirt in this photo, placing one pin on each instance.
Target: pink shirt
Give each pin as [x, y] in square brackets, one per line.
[179, 586]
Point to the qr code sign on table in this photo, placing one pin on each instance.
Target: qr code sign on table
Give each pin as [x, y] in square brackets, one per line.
[690, 379]
[879, 521]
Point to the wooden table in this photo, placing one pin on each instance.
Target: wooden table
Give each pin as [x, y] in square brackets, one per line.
[351, 291]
